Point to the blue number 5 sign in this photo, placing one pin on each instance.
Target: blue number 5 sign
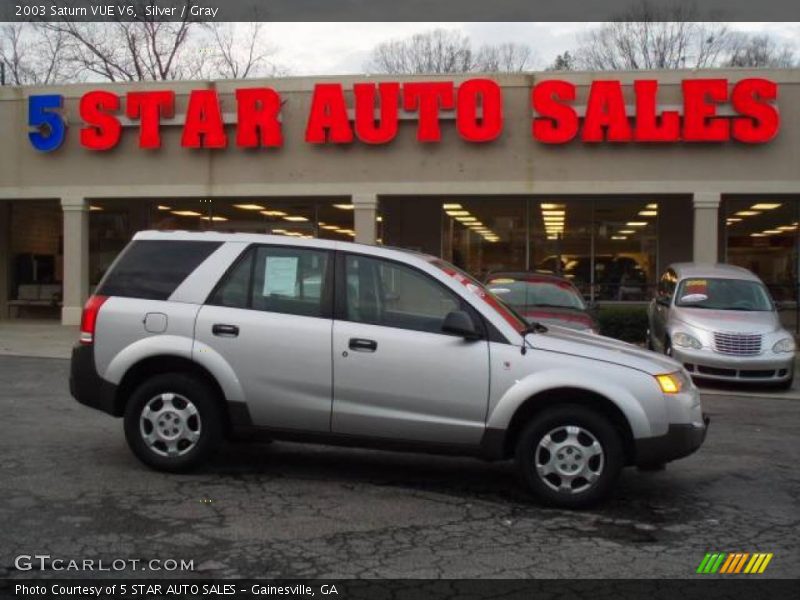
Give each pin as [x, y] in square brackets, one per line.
[50, 128]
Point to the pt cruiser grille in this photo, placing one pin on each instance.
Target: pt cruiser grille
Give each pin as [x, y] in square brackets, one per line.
[737, 344]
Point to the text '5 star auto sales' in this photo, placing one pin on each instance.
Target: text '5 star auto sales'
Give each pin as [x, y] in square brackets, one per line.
[377, 108]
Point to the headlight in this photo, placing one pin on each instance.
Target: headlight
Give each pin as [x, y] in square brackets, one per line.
[684, 340]
[672, 383]
[784, 345]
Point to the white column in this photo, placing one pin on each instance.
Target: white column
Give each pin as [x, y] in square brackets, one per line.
[76, 258]
[706, 224]
[365, 212]
[5, 257]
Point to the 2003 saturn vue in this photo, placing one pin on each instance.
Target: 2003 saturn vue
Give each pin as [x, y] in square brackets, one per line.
[194, 336]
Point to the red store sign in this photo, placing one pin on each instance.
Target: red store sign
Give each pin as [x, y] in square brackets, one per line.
[712, 110]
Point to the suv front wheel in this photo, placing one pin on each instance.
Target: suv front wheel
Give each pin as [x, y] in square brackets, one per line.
[173, 422]
[570, 456]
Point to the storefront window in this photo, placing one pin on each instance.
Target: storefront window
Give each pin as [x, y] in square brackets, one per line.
[760, 234]
[608, 247]
[113, 223]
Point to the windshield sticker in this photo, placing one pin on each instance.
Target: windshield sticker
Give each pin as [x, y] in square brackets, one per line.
[696, 286]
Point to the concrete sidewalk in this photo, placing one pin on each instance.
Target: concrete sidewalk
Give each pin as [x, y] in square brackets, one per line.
[49, 339]
[42, 338]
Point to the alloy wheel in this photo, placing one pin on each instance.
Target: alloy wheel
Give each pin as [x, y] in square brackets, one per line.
[170, 424]
[569, 459]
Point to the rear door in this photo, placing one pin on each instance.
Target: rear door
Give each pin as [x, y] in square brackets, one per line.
[396, 374]
[270, 319]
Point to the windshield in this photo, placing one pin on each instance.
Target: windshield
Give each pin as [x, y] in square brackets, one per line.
[527, 294]
[723, 294]
[473, 285]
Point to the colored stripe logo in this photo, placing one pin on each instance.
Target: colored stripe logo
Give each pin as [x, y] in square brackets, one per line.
[734, 563]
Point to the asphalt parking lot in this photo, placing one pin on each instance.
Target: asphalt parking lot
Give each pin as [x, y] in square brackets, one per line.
[70, 488]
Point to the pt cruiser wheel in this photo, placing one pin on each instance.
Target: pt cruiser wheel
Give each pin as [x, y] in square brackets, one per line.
[570, 456]
[172, 422]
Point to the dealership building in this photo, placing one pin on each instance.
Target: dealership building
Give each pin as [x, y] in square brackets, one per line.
[605, 178]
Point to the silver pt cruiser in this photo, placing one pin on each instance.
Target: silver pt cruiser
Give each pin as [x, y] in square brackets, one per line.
[192, 337]
[719, 321]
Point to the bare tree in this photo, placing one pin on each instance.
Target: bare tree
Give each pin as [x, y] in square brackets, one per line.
[508, 57]
[232, 51]
[30, 57]
[650, 36]
[436, 51]
[761, 51]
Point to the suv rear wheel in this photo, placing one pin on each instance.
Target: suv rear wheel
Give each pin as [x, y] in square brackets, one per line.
[570, 456]
[173, 422]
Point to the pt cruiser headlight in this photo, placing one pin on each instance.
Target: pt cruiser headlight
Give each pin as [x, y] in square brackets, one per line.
[673, 383]
[684, 340]
[784, 345]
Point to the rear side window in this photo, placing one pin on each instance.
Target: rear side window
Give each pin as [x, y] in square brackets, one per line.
[153, 269]
[292, 281]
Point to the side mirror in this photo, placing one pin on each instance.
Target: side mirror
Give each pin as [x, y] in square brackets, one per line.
[460, 323]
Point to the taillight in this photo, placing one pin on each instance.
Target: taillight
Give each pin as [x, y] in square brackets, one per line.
[89, 318]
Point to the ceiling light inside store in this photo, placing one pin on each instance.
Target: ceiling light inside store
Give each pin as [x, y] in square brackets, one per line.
[92, 207]
[214, 218]
[458, 213]
[747, 213]
[330, 227]
[551, 206]
[164, 207]
[379, 219]
[733, 220]
[552, 237]
[249, 206]
[343, 206]
[787, 227]
[466, 219]
[186, 213]
[764, 206]
[451, 206]
[273, 213]
[648, 213]
[627, 231]
[758, 235]
[772, 231]
[553, 213]
[618, 237]
[295, 218]
[653, 206]
[280, 231]
[636, 223]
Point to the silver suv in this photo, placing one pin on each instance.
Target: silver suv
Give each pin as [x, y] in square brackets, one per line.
[194, 337]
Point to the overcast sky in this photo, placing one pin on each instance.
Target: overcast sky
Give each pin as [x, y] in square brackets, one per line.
[343, 48]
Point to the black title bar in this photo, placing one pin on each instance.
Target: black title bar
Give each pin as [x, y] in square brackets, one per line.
[393, 10]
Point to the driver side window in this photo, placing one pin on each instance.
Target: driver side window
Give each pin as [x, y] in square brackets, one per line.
[385, 293]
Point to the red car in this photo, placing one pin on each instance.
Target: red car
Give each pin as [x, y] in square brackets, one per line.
[546, 299]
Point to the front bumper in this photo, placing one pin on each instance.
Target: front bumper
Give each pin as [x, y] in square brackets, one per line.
[679, 441]
[707, 364]
[86, 386]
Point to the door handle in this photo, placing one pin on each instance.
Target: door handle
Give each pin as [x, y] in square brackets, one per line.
[362, 345]
[223, 330]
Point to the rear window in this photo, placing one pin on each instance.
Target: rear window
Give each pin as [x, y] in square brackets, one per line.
[153, 269]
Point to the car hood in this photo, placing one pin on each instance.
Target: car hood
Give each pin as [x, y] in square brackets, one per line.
[565, 317]
[729, 321]
[596, 347]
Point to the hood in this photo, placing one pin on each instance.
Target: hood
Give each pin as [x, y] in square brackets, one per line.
[565, 317]
[596, 347]
[728, 321]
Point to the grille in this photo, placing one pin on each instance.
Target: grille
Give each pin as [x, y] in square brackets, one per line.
[737, 344]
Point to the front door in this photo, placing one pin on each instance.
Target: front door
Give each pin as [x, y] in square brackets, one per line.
[270, 320]
[395, 373]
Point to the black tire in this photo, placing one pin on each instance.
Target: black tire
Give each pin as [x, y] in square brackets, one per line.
[206, 424]
[599, 427]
